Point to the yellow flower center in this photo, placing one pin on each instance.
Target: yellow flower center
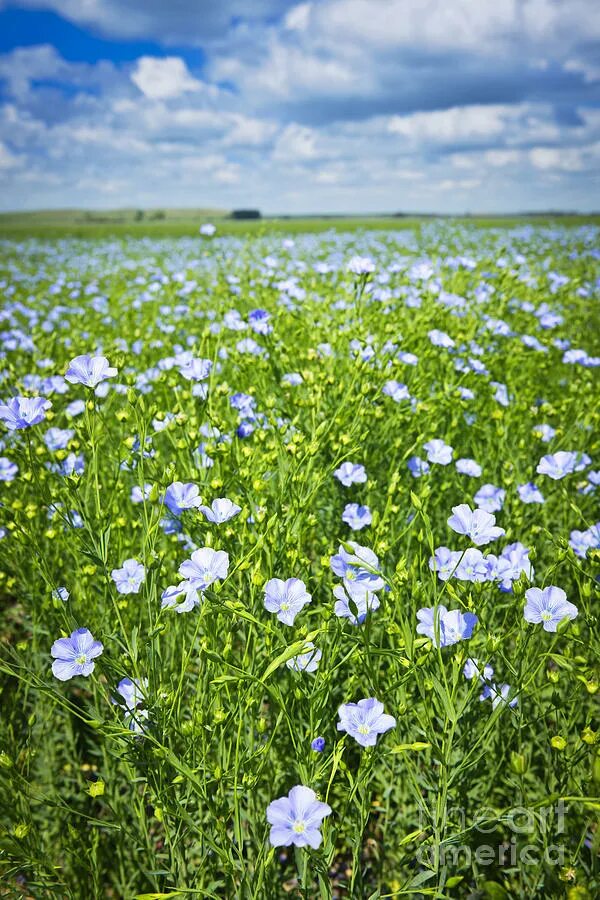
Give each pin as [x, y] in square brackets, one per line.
[299, 827]
[363, 729]
[81, 659]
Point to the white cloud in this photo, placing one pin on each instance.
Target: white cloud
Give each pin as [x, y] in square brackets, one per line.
[161, 78]
[7, 159]
[334, 105]
[456, 123]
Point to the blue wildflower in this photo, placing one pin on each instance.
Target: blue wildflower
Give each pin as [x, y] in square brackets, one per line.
[445, 627]
[130, 577]
[365, 720]
[297, 818]
[89, 370]
[549, 606]
[477, 524]
[286, 598]
[75, 655]
[356, 516]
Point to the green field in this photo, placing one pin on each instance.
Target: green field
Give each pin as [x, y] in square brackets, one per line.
[186, 222]
[311, 517]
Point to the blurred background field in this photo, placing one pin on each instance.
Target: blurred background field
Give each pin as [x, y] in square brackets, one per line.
[178, 222]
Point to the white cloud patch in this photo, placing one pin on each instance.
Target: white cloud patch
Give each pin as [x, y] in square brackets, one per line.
[161, 78]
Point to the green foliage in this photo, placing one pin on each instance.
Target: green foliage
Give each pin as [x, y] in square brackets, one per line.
[90, 809]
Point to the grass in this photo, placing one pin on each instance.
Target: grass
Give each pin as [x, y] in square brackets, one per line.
[167, 796]
[52, 224]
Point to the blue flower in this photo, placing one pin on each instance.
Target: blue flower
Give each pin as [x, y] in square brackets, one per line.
[244, 429]
[72, 465]
[8, 469]
[357, 517]
[133, 693]
[205, 567]
[130, 577]
[75, 655]
[361, 265]
[440, 338]
[196, 369]
[286, 598]
[468, 467]
[417, 466]
[478, 524]
[396, 391]
[444, 562]
[498, 695]
[472, 567]
[58, 438]
[351, 473]
[564, 462]
[297, 818]
[447, 627]
[60, 593]
[23, 412]
[292, 378]
[89, 370]
[529, 493]
[549, 606]
[318, 744]
[511, 564]
[138, 494]
[307, 661]
[259, 322]
[582, 541]
[438, 452]
[354, 606]
[365, 720]
[490, 498]
[544, 432]
[220, 510]
[501, 395]
[474, 669]
[75, 408]
[183, 597]
[180, 496]
[352, 567]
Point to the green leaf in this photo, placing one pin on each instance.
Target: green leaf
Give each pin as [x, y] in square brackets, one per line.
[293, 650]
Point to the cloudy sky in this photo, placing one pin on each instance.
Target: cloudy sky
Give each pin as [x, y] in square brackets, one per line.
[323, 106]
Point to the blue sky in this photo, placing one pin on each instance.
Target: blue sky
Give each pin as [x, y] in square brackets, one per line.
[323, 106]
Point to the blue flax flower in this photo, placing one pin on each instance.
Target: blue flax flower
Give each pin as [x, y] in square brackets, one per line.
[354, 607]
[180, 496]
[356, 516]
[448, 627]
[297, 818]
[351, 473]
[307, 661]
[205, 567]
[130, 577]
[439, 452]
[286, 598]
[360, 569]
[89, 370]
[477, 524]
[220, 510]
[23, 412]
[75, 655]
[549, 606]
[365, 720]
[564, 462]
